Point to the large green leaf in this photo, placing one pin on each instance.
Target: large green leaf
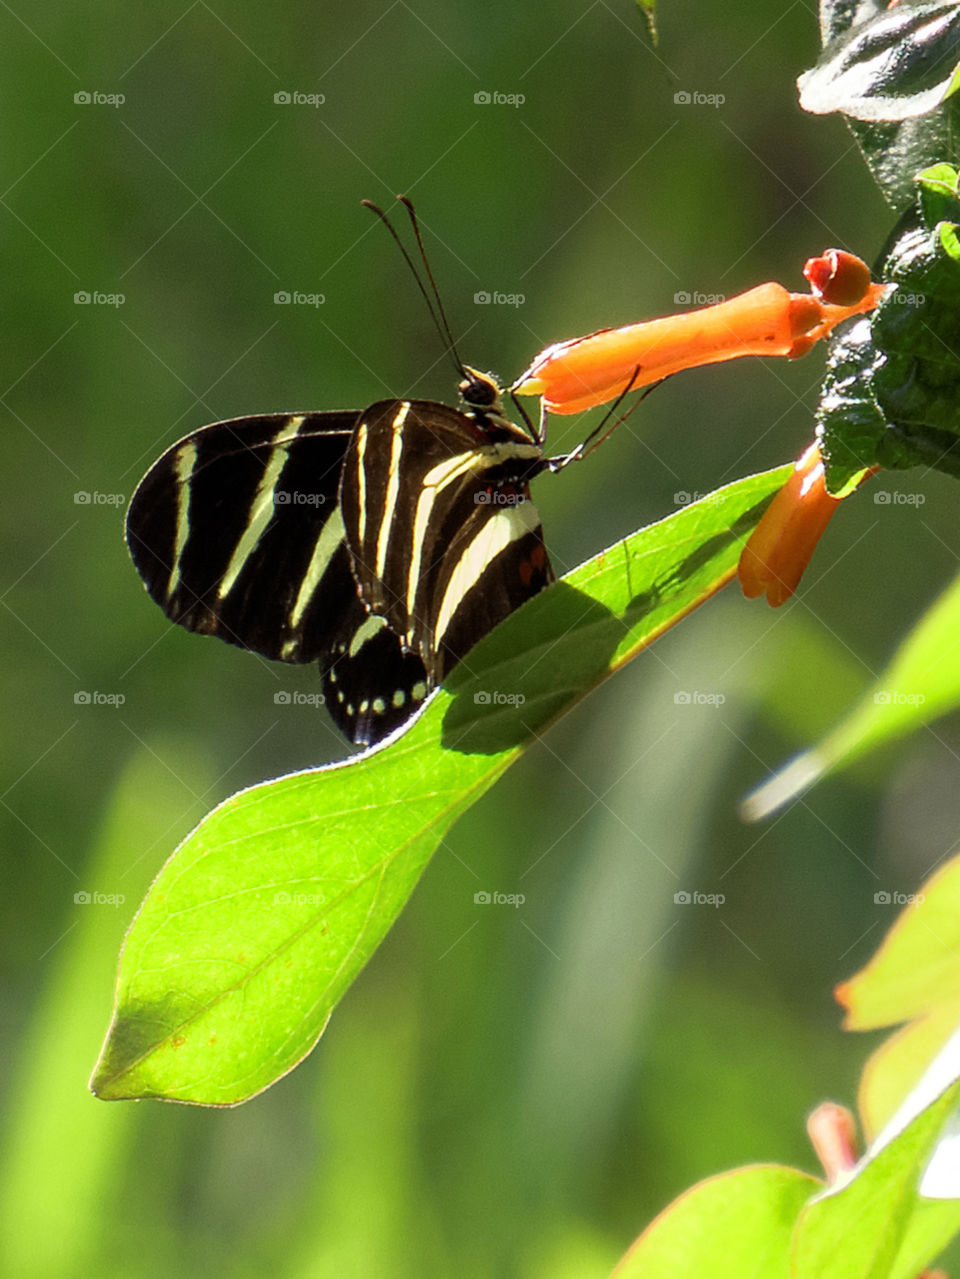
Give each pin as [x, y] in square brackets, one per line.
[266, 913]
[921, 683]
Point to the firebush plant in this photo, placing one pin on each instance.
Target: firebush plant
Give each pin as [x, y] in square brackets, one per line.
[263, 917]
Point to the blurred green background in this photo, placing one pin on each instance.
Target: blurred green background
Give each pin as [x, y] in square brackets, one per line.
[506, 1091]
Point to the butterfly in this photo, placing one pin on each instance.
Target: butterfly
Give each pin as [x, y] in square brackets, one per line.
[382, 543]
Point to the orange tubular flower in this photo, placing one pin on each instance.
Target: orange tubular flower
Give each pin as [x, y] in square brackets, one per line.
[779, 549]
[767, 320]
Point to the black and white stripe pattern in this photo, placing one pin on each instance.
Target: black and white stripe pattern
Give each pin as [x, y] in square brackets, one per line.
[441, 555]
[236, 531]
[381, 544]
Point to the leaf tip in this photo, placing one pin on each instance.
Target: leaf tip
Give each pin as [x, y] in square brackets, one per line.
[842, 993]
[784, 786]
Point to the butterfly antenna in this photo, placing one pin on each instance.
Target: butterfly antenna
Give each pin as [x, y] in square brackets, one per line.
[415, 223]
[434, 305]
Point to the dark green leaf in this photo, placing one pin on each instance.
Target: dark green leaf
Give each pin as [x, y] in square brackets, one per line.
[896, 65]
[895, 152]
[891, 395]
[840, 16]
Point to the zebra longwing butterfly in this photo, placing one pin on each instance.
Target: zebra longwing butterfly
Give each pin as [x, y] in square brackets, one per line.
[382, 544]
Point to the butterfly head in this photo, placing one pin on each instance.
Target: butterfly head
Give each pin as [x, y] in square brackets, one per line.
[480, 391]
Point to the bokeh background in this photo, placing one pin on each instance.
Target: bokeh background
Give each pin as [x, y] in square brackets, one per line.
[505, 1091]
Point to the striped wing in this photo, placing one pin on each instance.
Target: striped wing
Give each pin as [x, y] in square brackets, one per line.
[444, 538]
[236, 532]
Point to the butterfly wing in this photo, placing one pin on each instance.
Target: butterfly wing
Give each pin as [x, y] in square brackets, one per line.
[236, 532]
[442, 534]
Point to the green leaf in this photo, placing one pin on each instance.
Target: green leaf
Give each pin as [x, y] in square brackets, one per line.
[264, 916]
[913, 977]
[840, 16]
[738, 1223]
[893, 151]
[874, 1225]
[917, 967]
[920, 684]
[896, 65]
[850, 425]
[894, 1068]
[891, 393]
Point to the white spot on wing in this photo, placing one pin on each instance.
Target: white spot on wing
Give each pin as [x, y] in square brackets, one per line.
[371, 626]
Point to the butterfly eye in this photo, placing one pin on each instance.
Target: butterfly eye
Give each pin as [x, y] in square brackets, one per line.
[479, 391]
